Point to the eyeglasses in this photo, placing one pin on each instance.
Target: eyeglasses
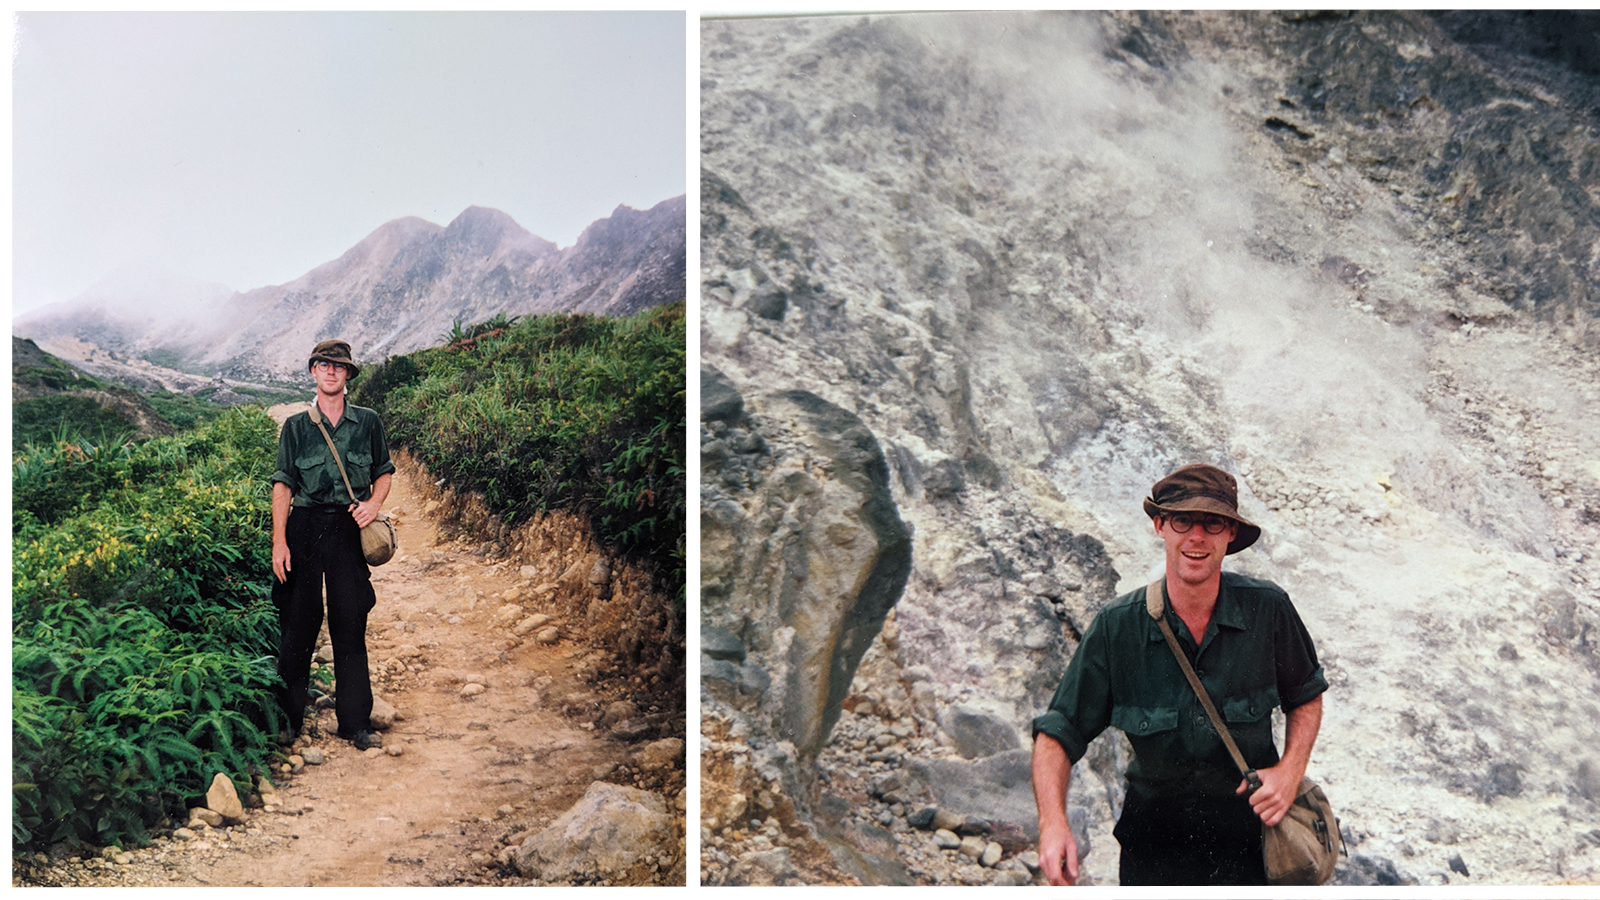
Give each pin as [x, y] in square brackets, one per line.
[323, 365]
[1182, 522]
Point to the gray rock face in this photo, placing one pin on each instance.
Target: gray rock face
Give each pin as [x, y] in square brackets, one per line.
[1046, 259]
[977, 733]
[807, 552]
[608, 831]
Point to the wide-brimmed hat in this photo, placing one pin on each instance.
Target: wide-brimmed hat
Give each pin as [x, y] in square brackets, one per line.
[335, 352]
[1206, 489]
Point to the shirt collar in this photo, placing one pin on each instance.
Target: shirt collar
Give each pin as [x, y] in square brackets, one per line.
[1228, 614]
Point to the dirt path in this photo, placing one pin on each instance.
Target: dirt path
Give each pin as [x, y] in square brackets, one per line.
[474, 770]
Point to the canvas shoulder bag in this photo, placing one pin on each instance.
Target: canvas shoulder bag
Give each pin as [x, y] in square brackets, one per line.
[1305, 845]
[379, 540]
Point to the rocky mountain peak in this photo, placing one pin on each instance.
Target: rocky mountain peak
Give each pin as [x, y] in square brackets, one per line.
[395, 291]
[485, 230]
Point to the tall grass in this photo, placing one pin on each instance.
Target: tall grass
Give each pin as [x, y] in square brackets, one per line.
[142, 632]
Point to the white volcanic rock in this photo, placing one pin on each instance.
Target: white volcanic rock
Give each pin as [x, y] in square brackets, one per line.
[1046, 259]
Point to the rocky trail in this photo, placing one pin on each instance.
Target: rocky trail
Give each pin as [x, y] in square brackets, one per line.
[501, 724]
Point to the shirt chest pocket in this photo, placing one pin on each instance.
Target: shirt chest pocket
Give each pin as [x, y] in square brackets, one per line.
[314, 472]
[1142, 721]
[358, 464]
[1251, 706]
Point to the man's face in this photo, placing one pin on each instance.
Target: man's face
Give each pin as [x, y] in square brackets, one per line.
[1194, 553]
[330, 377]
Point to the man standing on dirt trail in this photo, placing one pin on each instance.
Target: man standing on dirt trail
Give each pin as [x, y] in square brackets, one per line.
[1188, 818]
[316, 535]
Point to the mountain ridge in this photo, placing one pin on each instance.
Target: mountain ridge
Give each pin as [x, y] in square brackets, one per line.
[396, 290]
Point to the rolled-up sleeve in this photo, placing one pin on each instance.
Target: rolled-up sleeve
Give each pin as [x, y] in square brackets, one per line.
[1081, 707]
[381, 463]
[1300, 676]
[286, 471]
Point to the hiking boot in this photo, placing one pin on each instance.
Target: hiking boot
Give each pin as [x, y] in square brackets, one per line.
[366, 739]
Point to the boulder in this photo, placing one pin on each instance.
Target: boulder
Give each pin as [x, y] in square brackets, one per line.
[977, 733]
[720, 643]
[660, 754]
[620, 711]
[765, 867]
[816, 564]
[608, 831]
[223, 800]
[997, 788]
[383, 714]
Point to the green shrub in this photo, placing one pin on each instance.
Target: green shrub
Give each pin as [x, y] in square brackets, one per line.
[585, 413]
[142, 631]
[44, 419]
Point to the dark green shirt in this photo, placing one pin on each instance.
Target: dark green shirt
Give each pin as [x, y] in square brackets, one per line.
[306, 464]
[1255, 655]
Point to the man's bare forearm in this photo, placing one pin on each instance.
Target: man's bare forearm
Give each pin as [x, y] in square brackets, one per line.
[282, 498]
[1301, 726]
[1052, 775]
[1058, 847]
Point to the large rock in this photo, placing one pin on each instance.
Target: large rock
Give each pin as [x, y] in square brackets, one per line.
[660, 754]
[223, 800]
[977, 733]
[809, 556]
[766, 867]
[608, 831]
[383, 714]
[997, 788]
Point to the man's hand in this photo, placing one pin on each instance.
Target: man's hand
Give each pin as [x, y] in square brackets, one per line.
[366, 513]
[282, 498]
[1058, 854]
[1279, 785]
[280, 560]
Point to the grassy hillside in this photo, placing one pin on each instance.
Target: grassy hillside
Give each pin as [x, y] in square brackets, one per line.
[53, 400]
[555, 412]
[142, 633]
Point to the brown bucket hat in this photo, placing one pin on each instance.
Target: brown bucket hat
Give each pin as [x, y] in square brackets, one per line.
[1202, 488]
[334, 351]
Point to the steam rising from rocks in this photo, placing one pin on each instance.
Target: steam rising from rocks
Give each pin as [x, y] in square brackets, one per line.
[1047, 258]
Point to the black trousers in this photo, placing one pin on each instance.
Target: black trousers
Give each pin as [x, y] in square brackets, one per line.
[325, 546]
[1190, 840]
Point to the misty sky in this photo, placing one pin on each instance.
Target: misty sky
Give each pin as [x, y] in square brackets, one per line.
[248, 148]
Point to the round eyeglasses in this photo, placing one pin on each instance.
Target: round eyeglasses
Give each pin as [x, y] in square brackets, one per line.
[1182, 522]
[323, 365]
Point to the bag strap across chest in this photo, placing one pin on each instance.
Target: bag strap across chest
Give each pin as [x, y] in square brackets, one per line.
[316, 416]
[1155, 604]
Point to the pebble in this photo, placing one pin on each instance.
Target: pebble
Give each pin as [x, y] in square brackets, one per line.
[394, 751]
[312, 756]
[945, 839]
[472, 689]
